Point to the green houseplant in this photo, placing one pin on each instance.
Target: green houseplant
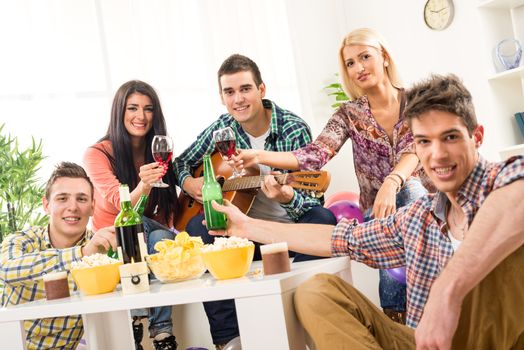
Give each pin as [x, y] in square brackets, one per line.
[21, 190]
[336, 90]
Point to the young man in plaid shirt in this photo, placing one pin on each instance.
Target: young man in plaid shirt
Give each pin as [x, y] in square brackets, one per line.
[27, 255]
[258, 123]
[462, 247]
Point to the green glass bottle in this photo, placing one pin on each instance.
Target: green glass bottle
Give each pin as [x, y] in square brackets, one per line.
[140, 206]
[111, 253]
[128, 224]
[211, 190]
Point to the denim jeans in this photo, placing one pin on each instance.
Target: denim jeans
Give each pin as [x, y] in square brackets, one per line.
[392, 293]
[222, 315]
[159, 317]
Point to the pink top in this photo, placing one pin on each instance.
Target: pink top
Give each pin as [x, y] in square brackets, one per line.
[107, 197]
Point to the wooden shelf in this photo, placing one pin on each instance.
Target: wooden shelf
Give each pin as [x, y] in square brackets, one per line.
[501, 4]
[508, 74]
[512, 151]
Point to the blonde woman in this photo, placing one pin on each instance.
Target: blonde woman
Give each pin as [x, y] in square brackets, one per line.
[385, 163]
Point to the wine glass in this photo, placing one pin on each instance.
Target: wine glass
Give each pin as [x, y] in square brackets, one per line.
[226, 144]
[162, 148]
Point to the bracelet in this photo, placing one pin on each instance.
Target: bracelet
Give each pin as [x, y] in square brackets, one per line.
[400, 176]
[395, 180]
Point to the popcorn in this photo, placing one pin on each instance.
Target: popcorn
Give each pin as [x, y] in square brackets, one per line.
[92, 261]
[227, 243]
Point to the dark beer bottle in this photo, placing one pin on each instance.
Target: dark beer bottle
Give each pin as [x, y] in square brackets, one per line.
[211, 191]
[128, 225]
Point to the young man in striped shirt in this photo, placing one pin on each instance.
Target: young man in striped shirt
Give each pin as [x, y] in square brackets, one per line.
[462, 246]
[27, 255]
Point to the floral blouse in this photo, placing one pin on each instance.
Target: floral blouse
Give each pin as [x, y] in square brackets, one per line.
[374, 154]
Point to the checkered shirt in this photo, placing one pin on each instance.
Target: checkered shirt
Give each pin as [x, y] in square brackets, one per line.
[416, 235]
[287, 132]
[25, 257]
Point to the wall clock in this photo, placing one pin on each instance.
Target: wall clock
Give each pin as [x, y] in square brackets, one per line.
[438, 14]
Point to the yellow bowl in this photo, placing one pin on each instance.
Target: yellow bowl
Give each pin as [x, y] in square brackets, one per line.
[97, 279]
[230, 262]
[171, 270]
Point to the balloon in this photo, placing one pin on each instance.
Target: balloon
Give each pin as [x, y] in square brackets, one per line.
[344, 195]
[345, 209]
[398, 274]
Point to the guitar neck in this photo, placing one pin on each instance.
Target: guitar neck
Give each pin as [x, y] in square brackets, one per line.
[249, 182]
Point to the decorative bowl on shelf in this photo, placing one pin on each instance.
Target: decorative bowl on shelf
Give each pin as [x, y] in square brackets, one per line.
[509, 53]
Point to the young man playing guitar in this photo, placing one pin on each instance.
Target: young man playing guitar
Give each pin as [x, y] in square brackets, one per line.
[258, 124]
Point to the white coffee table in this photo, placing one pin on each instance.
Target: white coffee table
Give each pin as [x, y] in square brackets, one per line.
[264, 305]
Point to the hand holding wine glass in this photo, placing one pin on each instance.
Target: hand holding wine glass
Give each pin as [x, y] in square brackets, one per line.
[225, 142]
[162, 149]
[246, 158]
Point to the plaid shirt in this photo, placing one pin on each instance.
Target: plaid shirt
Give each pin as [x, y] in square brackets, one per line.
[417, 235]
[25, 257]
[287, 133]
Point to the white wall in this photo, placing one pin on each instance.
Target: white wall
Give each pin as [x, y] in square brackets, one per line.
[62, 61]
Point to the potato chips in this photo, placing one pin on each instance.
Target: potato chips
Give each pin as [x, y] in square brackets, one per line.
[177, 259]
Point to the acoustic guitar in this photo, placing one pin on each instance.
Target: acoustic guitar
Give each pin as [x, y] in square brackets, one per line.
[241, 191]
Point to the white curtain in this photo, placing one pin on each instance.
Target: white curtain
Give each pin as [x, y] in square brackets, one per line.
[61, 62]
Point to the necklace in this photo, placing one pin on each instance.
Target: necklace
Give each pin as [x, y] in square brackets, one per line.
[462, 228]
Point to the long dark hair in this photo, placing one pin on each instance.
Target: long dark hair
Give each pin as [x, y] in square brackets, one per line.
[122, 160]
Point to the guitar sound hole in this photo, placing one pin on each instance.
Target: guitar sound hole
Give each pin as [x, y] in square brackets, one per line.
[221, 180]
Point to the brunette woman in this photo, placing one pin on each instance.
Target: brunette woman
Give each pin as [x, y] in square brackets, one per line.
[123, 156]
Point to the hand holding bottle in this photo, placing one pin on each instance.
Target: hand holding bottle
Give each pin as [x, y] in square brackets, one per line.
[102, 241]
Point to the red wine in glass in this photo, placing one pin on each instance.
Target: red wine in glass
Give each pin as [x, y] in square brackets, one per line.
[225, 143]
[163, 157]
[227, 148]
[162, 149]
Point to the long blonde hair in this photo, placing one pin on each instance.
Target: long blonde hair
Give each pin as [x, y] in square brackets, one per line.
[367, 37]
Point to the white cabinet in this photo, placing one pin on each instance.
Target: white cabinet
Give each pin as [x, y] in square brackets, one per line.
[503, 19]
[512, 151]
